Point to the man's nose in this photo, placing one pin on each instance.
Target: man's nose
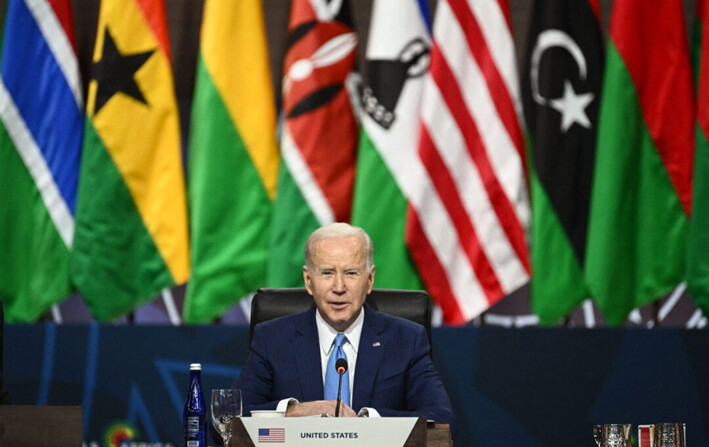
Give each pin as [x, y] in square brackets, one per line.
[339, 285]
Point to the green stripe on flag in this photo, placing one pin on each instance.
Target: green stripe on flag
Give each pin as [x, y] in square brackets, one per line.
[637, 230]
[34, 266]
[380, 208]
[292, 223]
[229, 210]
[698, 268]
[115, 263]
[557, 285]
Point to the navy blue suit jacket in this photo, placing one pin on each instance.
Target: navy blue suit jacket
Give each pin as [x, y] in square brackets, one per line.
[394, 372]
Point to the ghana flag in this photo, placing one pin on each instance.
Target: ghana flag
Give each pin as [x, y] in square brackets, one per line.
[233, 160]
[131, 218]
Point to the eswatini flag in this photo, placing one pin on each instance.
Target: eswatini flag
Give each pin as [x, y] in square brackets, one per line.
[642, 186]
[388, 167]
[698, 259]
[131, 217]
[319, 135]
[41, 123]
[233, 160]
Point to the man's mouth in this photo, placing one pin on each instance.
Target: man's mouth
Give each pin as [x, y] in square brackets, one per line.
[339, 305]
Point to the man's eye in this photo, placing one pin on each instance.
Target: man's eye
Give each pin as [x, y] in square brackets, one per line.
[352, 273]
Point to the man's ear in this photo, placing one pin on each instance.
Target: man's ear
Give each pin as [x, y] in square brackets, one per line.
[306, 280]
[371, 280]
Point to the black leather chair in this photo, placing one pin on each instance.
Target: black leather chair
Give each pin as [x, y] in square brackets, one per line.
[413, 305]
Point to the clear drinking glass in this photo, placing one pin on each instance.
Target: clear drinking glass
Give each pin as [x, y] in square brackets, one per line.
[226, 404]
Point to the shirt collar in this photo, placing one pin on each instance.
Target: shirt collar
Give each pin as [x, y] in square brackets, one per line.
[326, 334]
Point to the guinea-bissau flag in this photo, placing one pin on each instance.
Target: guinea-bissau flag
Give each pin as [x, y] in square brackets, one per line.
[561, 92]
[642, 186]
[41, 125]
[398, 50]
[698, 259]
[319, 134]
[233, 160]
[131, 217]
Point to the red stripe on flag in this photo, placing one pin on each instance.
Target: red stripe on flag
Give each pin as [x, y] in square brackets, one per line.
[329, 152]
[448, 192]
[496, 85]
[433, 275]
[504, 210]
[596, 8]
[703, 89]
[156, 18]
[62, 9]
[651, 39]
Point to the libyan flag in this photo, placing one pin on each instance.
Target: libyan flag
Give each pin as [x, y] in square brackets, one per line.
[131, 216]
[561, 95]
[641, 192]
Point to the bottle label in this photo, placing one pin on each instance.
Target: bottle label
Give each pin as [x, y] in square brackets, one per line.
[192, 424]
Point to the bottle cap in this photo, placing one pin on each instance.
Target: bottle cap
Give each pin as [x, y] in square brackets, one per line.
[195, 366]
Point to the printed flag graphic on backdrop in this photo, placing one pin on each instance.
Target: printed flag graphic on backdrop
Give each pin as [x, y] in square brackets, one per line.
[642, 187]
[319, 136]
[388, 166]
[561, 95]
[131, 217]
[233, 160]
[698, 264]
[467, 231]
[41, 124]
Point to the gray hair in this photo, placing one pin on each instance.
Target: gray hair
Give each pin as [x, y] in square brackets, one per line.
[339, 230]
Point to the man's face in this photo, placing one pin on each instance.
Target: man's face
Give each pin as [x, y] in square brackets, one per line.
[338, 279]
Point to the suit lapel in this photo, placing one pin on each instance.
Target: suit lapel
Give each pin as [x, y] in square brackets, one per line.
[369, 356]
[308, 361]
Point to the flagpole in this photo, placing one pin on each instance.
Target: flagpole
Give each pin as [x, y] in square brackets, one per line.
[170, 306]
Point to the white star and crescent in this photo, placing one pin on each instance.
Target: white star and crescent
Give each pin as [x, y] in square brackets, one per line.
[571, 105]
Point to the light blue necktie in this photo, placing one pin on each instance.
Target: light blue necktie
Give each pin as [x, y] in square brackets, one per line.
[332, 377]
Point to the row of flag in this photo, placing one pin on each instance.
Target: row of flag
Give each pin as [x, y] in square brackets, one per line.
[577, 172]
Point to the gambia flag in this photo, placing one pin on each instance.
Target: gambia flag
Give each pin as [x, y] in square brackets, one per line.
[698, 268]
[398, 55]
[131, 217]
[642, 185]
[319, 134]
[233, 160]
[41, 124]
[561, 92]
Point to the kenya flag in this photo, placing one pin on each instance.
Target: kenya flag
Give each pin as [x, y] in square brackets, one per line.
[319, 136]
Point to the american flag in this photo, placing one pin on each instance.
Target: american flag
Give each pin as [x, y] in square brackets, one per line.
[468, 232]
[271, 435]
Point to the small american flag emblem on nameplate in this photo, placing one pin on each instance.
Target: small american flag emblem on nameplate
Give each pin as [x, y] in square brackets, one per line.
[271, 435]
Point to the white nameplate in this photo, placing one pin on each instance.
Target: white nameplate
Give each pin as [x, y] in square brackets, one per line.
[317, 431]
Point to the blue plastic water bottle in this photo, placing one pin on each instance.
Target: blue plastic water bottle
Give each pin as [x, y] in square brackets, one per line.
[194, 417]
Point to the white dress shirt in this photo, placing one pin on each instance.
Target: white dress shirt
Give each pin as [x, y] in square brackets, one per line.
[326, 337]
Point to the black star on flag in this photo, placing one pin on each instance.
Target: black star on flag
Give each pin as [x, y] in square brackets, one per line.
[561, 95]
[115, 72]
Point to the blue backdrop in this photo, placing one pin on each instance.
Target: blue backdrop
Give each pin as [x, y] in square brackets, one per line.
[510, 387]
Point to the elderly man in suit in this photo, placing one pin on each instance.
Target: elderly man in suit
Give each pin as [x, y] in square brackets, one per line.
[390, 370]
